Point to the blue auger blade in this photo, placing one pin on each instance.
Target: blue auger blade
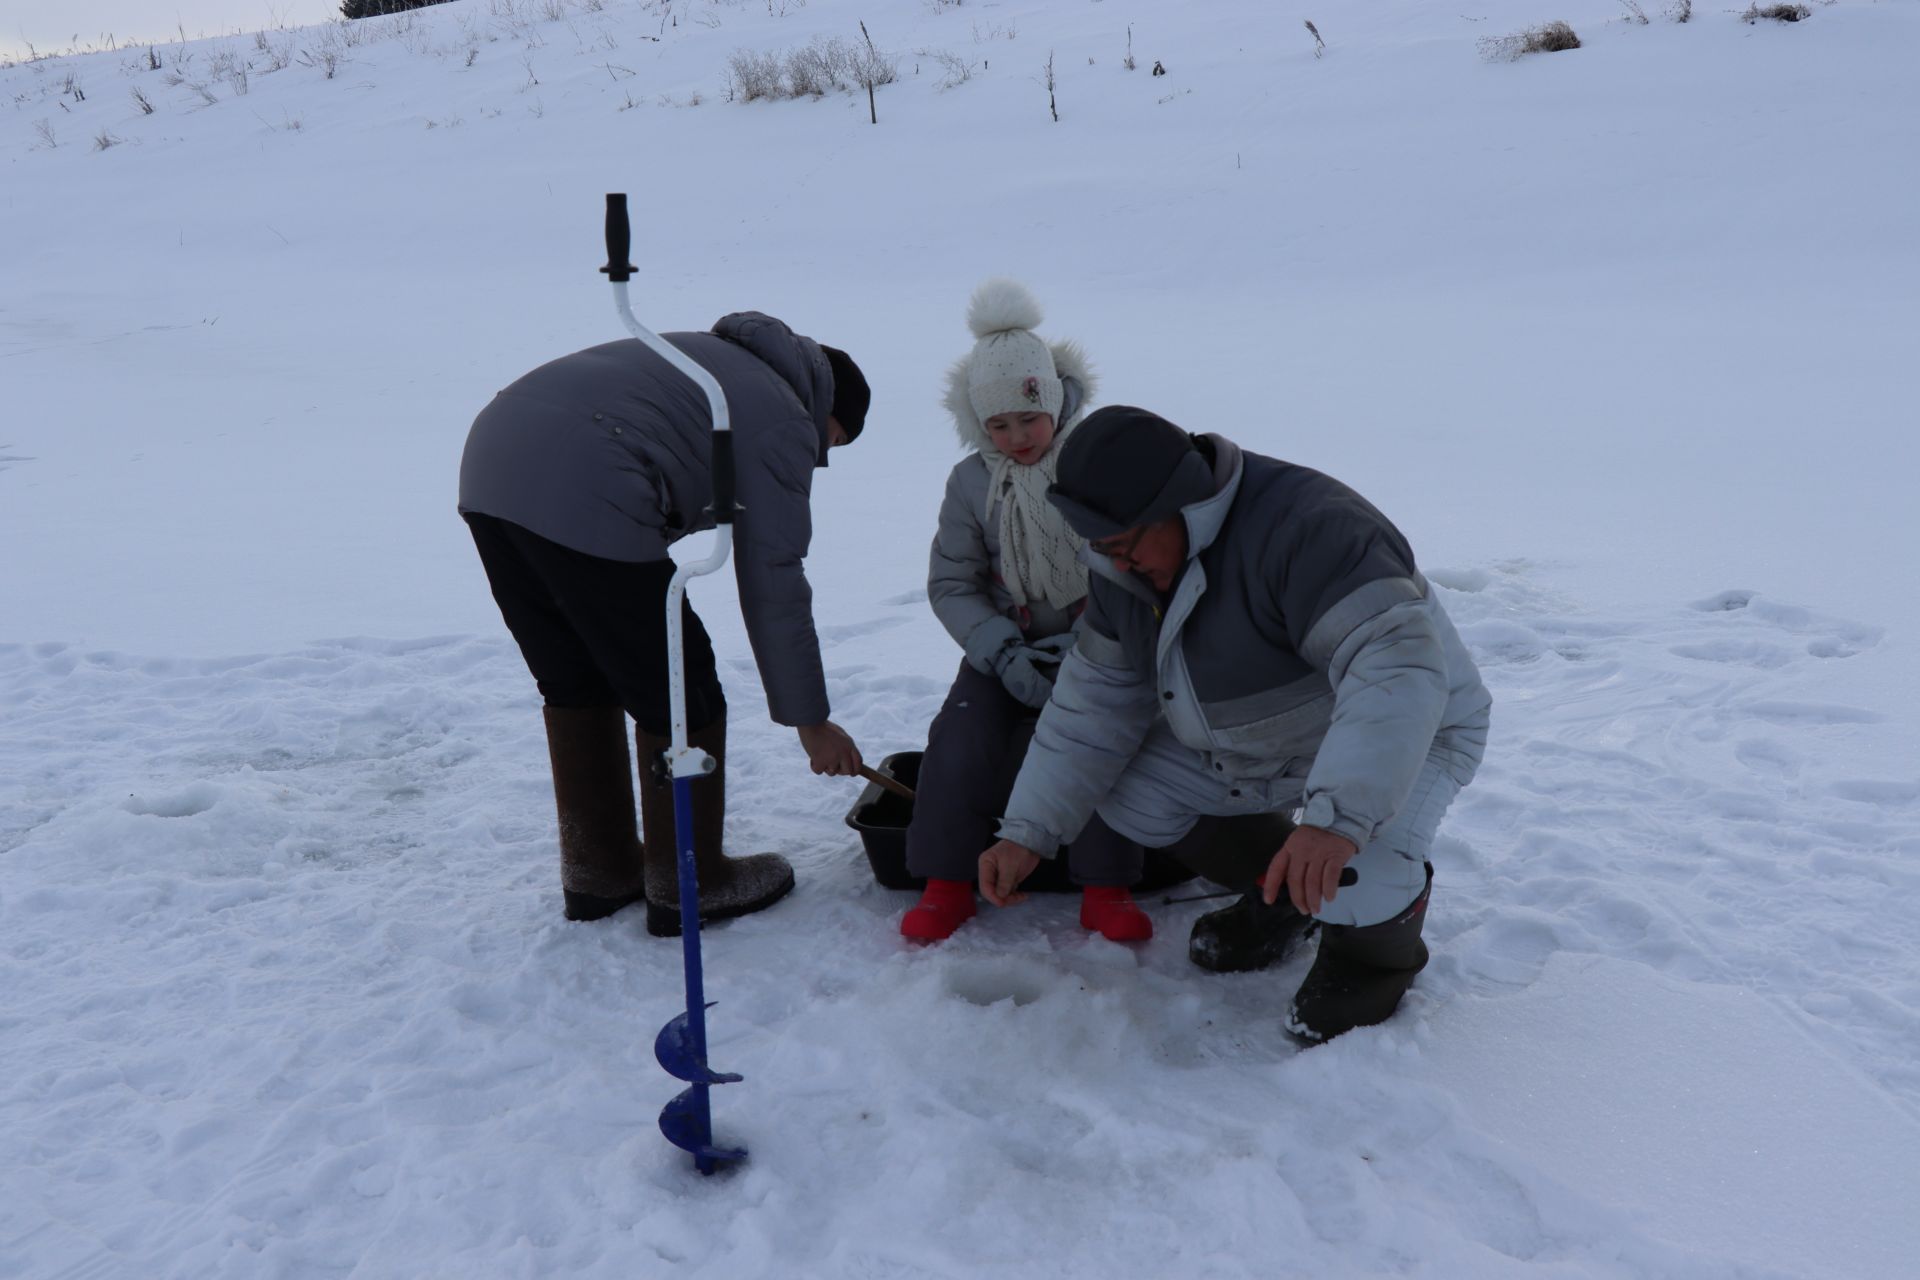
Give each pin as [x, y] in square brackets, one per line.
[688, 1124]
[674, 1049]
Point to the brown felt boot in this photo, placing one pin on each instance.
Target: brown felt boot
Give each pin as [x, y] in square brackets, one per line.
[728, 886]
[601, 868]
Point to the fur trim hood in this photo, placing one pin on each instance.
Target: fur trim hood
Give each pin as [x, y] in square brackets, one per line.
[1001, 306]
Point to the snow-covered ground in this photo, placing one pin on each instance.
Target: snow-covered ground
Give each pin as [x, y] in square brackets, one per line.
[1622, 337]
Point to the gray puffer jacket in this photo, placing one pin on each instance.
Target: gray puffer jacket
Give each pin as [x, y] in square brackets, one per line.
[608, 451]
[964, 584]
[1300, 640]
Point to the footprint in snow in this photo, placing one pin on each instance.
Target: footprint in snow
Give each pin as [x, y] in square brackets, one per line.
[1786, 632]
[1886, 792]
[1811, 713]
[1746, 652]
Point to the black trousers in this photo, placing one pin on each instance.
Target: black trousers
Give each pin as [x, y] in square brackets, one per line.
[974, 750]
[594, 631]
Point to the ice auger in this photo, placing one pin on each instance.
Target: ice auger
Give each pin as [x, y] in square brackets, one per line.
[681, 1046]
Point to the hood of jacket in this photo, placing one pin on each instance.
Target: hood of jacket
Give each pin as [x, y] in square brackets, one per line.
[796, 359]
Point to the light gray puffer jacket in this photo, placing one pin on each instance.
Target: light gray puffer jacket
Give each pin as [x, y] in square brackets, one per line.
[1300, 641]
[964, 585]
[609, 451]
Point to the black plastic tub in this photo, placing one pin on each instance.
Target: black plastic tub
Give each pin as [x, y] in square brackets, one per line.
[881, 818]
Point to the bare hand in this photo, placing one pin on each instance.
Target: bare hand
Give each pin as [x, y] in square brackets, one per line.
[829, 749]
[1002, 868]
[1308, 866]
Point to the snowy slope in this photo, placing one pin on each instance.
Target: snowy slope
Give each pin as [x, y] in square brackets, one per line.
[1622, 338]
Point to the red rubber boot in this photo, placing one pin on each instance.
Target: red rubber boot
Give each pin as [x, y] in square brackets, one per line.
[944, 906]
[1110, 909]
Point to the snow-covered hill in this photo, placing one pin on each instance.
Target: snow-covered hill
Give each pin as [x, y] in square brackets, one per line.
[1621, 336]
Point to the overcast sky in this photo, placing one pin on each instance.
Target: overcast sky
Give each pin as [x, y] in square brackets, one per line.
[54, 25]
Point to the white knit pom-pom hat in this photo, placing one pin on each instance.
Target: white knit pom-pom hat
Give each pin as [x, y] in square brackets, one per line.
[1011, 370]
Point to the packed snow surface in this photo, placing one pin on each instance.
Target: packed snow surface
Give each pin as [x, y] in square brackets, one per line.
[1622, 337]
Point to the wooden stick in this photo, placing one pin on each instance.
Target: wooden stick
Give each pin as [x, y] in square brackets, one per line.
[898, 788]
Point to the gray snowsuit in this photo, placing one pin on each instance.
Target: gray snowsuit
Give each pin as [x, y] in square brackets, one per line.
[976, 742]
[608, 452]
[1301, 659]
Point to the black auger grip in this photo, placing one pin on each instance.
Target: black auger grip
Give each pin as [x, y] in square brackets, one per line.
[619, 239]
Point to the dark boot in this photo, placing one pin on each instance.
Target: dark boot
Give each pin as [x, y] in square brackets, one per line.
[1249, 934]
[728, 886]
[1361, 973]
[601, 867]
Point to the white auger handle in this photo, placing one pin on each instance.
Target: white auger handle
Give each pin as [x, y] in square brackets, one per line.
[683, 760]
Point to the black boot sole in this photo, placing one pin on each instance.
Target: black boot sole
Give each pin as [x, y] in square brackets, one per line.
[663, 921]
[582, 907]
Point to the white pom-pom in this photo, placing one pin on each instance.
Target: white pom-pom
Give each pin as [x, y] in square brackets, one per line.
[1001, 304]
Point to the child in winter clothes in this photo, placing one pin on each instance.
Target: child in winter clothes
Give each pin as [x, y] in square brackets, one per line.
[1006, 580]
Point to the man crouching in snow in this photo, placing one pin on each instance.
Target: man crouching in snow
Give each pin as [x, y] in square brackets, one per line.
[575, 481]
[1257, 638]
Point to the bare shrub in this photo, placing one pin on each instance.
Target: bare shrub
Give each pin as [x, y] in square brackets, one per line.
[815, 68]
[1681, 11]
[102, 140]
[328, 60]
[1047, 79]
[954, 69]
[755, 75]
[140, 100]
[197, 87]
[1776, 13]
[43, 129]
[1552, 37]
[872, 68]
[1635, 14]
[810, 71]
[1319, 45]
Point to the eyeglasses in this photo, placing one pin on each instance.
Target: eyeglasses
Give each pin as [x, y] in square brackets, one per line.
[1120, 546]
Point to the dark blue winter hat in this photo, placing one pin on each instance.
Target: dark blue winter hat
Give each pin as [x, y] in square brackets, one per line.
[851, 396]
[1123, 468]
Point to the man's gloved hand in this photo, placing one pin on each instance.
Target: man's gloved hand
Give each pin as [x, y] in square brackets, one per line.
[1027, 673]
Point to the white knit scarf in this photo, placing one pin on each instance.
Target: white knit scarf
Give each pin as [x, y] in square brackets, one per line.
[1039, 552]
